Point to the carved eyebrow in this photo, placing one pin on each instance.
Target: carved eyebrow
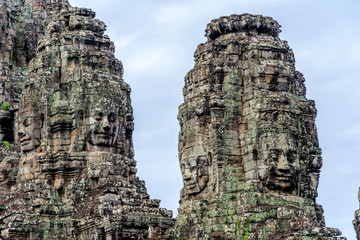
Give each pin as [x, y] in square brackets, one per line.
[97, 114]
[27, 121]
[24, 120]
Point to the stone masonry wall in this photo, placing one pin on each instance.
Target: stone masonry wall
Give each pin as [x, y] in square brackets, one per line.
[248, 146]
[75, 176]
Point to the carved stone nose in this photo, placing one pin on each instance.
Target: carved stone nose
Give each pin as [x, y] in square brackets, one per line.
[21, 133]
[105, 124]
[283, 163]
[187, 175]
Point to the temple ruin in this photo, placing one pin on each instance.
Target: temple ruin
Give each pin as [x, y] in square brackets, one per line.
[248, 147]
[76, 175]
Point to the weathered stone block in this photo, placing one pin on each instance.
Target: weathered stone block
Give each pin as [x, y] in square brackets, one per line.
[257, 139]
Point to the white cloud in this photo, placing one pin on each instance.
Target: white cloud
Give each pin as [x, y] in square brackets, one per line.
[124, 41]
[353, 132]
[303, 54]
[187, 11]
[354, 54]
[146, 61]
[96, 4]
[155, 39]
[174, 13]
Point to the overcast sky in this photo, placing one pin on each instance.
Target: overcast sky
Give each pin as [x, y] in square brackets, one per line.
[156, 39]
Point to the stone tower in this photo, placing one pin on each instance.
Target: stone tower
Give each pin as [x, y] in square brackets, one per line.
[23, 23]
[76, 175]
[248, 147]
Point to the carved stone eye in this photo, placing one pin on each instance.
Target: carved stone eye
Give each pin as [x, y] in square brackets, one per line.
[291, 156]
[111, 117]
[274, 154]
[99, 116]
[26, 122]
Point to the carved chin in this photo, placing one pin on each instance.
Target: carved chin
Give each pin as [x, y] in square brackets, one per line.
[29, 145]
[194, 188]
[191, 187]
[193, 191]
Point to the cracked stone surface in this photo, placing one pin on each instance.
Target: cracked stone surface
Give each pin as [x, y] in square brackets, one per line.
[69, 171]
[248, 147]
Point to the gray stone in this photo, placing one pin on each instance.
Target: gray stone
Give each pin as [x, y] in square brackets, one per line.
[246, 115]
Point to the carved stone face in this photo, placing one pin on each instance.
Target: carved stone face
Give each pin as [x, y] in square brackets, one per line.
[195, 173]
[315, 165]
[104, 128]
[279, 161]
[29, 134]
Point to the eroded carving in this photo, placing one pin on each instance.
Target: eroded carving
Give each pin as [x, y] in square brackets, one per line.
[195, 173]
[30, 132]
[77, 170]
[279, 161]
[245, 109]
[104, 126]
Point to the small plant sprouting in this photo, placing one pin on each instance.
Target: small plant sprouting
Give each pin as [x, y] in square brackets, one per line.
[5, 106]
[246, 232]
[6, 145]
[12, 60]
[24, 120]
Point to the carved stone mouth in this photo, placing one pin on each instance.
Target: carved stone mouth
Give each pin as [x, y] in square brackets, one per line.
[25, 141]
[286, 178]
[103, 135]
[282, 174]
[190, 185]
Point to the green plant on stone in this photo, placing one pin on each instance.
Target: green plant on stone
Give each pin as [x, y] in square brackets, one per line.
[24, 120]
[5, 106]
[34, 98]
[80, 59]
[12, 61]
[6, 145]
[246, 232]
[8, 85]
[238, 227]
[256, 56]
